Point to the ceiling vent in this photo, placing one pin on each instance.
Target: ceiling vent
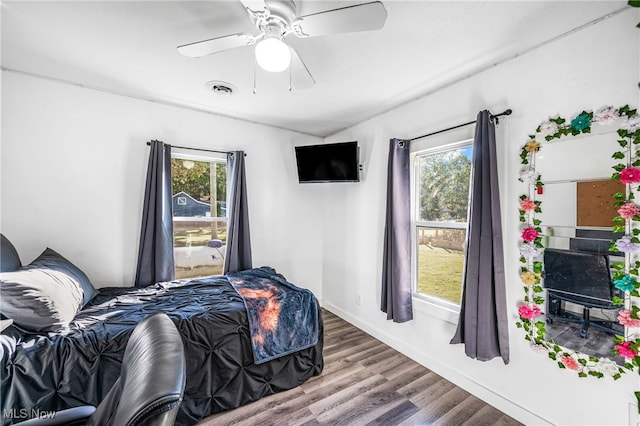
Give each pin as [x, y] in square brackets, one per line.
[221, 87]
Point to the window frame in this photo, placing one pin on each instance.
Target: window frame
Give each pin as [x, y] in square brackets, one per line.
[200, 156]
[441, 308]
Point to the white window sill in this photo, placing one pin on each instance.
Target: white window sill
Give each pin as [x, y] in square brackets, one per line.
[435, 309]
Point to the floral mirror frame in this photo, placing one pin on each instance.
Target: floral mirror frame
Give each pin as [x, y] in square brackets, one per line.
[625, 277]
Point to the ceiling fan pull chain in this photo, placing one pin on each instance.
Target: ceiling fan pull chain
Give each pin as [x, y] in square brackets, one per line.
[254, 75]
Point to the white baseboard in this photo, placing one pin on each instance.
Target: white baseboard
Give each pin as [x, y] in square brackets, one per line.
[490, 397]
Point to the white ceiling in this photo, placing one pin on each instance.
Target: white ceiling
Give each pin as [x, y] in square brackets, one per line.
[129, 47]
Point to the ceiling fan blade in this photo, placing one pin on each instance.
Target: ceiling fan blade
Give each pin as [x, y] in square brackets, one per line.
[215, 45]
[301, 78]
[363, 17]
[255, 6]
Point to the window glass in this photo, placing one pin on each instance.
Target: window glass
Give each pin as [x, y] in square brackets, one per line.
[441, 188]
[199, 216]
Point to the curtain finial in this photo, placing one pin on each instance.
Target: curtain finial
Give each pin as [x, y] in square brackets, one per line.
[492, 117]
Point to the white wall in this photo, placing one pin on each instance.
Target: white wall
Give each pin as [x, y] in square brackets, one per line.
[73, 169]
[594, 67]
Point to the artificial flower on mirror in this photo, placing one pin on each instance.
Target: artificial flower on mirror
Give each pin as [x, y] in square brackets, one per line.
[529, 312]
[625, 317]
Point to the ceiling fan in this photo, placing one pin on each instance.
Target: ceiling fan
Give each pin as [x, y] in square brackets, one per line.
[277, 19]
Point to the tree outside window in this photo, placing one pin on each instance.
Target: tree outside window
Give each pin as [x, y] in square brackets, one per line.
[442, 188]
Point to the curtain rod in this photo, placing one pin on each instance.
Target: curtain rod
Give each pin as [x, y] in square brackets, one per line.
[492, 116]
[199, 149]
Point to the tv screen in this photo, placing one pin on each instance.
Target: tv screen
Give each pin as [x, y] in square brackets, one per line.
[335, 162]
[578, 273]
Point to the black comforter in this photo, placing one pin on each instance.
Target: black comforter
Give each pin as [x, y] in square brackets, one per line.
[57, 371]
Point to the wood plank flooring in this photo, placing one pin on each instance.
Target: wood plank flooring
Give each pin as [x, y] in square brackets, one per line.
[365, 382]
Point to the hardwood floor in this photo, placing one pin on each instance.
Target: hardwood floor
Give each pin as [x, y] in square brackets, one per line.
[365, 382]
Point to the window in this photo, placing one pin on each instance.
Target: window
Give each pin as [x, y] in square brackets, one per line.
[199, 215]
[441, 199]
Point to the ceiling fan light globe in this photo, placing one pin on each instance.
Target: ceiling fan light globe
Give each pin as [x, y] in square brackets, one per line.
[273, 55]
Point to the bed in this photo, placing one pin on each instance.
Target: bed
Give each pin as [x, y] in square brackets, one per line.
[231, 359]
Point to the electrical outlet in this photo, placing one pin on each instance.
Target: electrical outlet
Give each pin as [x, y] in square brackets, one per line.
[359, 299]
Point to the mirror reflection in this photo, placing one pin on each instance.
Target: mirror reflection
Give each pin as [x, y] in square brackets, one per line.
[580, 310]
[576, 225]
[568, 216]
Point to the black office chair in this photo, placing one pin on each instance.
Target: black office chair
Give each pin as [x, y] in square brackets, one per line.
[150, 387]
[582, 278]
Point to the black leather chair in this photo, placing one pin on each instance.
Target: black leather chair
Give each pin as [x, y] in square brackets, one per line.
[150, 387]
[582, 278]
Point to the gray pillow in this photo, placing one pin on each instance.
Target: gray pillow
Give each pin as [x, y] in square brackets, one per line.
[53, 260]
[44, 295]
[9, 259]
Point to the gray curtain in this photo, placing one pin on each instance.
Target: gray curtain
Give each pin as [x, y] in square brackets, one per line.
[155, 252]
[482, 325]
[238, 254]
[396, 257]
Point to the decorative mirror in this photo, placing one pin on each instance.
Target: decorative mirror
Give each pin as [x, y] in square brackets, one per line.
[579, 241]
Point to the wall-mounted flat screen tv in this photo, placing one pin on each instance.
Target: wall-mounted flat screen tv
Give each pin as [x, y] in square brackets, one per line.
[334, 162]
